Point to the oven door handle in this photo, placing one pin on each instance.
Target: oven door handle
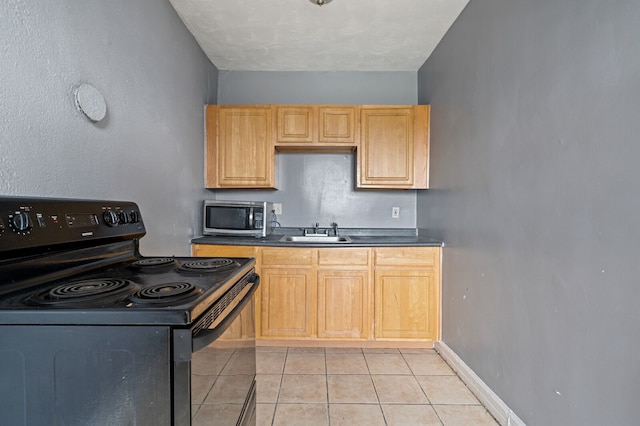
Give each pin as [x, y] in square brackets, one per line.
[206, 337]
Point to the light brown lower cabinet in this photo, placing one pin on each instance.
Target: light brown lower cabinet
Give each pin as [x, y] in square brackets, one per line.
[343, 310]
[343, 294]
[407, 293]
[404, 301]
[288, 293]
[286, 308]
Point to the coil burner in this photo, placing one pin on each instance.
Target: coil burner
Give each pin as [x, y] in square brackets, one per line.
[154, 264]
[208, 265]
[93, 292]
[173, 293]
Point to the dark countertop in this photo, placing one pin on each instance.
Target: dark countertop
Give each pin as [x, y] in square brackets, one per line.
[360, 237]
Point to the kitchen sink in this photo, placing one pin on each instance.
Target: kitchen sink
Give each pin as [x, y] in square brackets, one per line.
[315, 239]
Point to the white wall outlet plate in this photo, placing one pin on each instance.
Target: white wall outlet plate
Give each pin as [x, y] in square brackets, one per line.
[395, 212]
[277, 208]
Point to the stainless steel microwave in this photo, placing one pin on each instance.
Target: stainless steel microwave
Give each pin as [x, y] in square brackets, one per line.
[240, 218]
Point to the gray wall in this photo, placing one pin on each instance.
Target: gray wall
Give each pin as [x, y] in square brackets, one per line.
[155, 80]
[535, 177]
[321, 187]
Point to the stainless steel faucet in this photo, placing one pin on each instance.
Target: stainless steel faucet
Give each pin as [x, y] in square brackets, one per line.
[316, 230]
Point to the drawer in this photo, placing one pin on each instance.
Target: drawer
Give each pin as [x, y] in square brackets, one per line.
[406, 256]
[272, 256]
[343, 257]
[205, 250]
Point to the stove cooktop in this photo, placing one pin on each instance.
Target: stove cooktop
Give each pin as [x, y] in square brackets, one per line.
[148, 290]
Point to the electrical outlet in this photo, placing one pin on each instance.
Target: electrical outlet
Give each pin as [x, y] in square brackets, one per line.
[277, 208]
[395, 212]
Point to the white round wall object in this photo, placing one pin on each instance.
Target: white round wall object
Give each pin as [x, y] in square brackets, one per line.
[90, 102]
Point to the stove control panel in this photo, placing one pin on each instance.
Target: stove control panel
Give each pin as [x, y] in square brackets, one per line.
[27, 223]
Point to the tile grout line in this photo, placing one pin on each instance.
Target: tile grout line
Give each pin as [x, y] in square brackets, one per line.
[375, 389]
[326, 386]
[423, 391]
[275, 407]
[416, 379]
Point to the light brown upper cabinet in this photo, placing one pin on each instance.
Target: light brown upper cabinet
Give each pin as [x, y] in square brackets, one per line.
[296, 124]
[337, 125]
[391, 142]
[316, 127]
[394, 147]
[239, 147]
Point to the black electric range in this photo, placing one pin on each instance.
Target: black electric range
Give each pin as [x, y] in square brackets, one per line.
[92, 332]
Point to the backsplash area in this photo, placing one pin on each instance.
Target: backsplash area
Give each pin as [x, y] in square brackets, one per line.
[320, 188]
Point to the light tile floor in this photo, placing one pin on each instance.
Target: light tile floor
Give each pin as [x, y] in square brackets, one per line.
[351, 386]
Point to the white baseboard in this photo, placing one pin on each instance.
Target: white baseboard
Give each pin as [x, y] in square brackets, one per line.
[492, 402]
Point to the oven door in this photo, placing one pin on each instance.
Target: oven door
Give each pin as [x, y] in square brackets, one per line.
[80, 375]
[222, 370]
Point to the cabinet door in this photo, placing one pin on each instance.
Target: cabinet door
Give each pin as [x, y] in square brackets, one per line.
[296, 124]
[386, 147]
[344, 293]
[240, 151]
[287, 308]
[343, 304]
[406, 304]
[316, 128]
[337, 125]
[393, 147]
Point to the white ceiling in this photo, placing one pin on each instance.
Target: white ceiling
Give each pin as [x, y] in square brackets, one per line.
[296, 35]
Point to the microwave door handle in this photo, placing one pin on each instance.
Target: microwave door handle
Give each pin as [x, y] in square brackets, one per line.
[250, 218]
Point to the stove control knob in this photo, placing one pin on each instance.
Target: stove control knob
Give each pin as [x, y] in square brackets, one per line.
[124, 217]
[135, 216]
[20, 222]
[110, 218]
